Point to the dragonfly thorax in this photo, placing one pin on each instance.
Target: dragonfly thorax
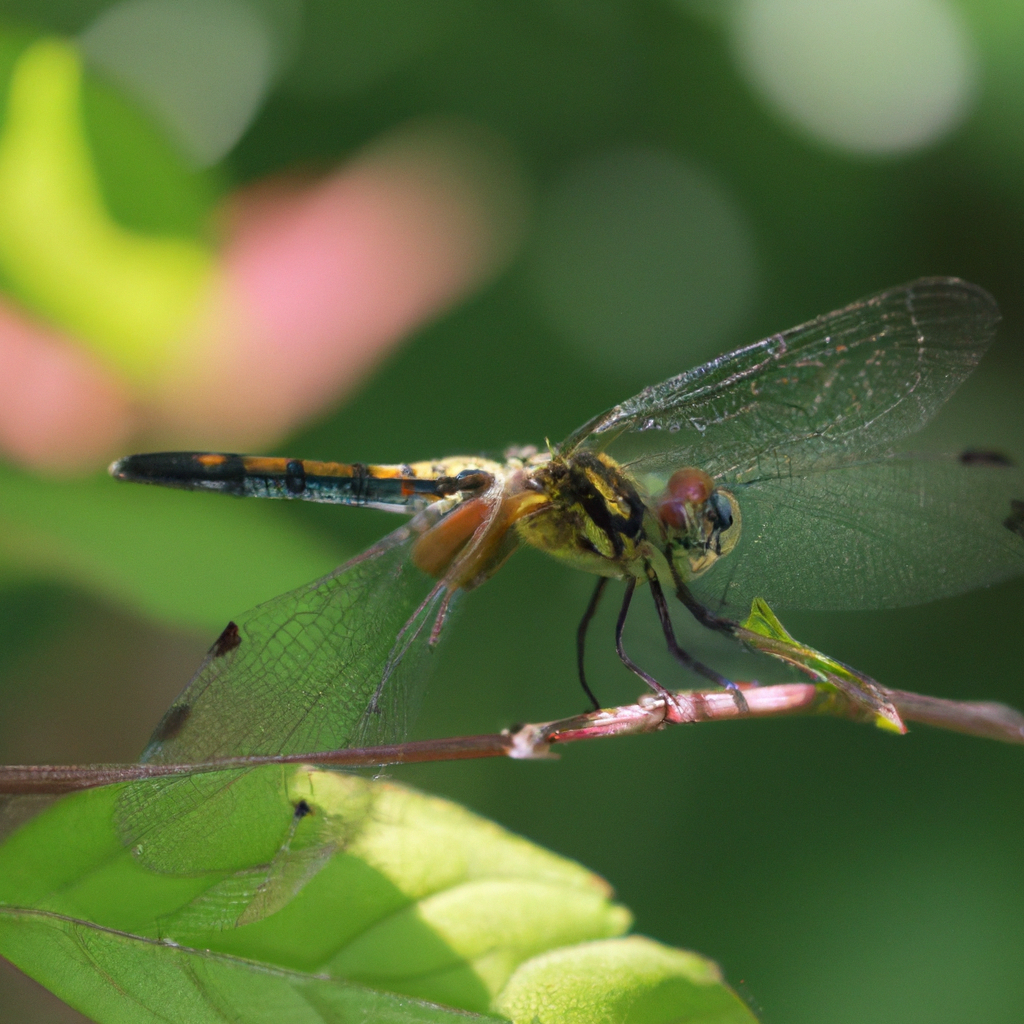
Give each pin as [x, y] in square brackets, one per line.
[594, 517]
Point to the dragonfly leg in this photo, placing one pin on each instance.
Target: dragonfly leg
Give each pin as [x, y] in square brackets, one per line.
[581, 638]
[704, 615]
[625, 658]
[442, 617]
[684, 659]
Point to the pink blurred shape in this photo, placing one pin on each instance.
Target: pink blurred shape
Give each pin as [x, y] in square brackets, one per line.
[319, 281]
[60, 409]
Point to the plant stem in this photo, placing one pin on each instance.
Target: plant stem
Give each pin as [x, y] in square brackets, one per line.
[650, 713]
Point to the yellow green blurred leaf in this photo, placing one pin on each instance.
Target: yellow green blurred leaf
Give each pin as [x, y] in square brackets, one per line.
[764, 621]
[129, 296]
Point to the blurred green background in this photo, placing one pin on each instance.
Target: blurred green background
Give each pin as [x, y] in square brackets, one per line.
[703, 174]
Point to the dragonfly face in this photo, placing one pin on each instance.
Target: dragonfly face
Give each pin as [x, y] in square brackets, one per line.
[776, 471]
[702, 522]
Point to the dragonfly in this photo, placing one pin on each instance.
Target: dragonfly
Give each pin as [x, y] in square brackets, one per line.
[772, 472]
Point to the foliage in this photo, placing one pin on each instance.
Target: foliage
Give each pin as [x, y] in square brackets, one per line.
[324, 896]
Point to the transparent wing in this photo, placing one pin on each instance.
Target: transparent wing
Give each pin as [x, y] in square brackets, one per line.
[336, 663]
[299, 672]
[897, 531]
[850, 383]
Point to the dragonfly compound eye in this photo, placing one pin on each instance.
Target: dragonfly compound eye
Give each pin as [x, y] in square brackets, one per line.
[688, 489]
[719, 511]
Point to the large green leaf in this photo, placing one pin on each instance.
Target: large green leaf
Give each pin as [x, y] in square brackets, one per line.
[632, 979]
[124, 979]
[370, 901]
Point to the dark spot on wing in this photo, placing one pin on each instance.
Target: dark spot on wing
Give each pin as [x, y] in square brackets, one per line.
[170, 725]
[1014, 522]
[302, 809]
[226, 642]
[975, 457]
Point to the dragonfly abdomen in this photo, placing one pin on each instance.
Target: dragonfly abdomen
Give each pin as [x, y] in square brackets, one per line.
[392, 487]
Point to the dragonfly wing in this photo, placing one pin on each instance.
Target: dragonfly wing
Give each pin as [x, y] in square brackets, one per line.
[197, 825]
[893, 532]
[336, 663]
[852, 381]
[300, 672]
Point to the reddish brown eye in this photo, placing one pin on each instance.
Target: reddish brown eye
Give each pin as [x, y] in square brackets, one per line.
[686, 487]
[690, 485]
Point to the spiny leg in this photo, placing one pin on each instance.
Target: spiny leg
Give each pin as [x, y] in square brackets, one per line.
[680, 655]
[625, 658]
[705, 616]
[581, 638]
[442, 617]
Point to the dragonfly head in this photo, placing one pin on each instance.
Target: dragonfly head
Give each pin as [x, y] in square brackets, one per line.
[700, 520]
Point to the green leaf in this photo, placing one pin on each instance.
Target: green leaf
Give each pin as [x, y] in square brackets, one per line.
[763, 631]
[123, 979]
[180, 560]
[146, 183]
[370, 900]
[764, 621]
[127, 295]
[632, 979]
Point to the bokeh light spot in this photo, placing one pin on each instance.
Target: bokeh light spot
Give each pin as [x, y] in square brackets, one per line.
[201, 66]
[644, 261]
[869, 76]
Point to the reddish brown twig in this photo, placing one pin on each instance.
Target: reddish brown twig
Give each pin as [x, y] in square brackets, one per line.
[988, 720]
